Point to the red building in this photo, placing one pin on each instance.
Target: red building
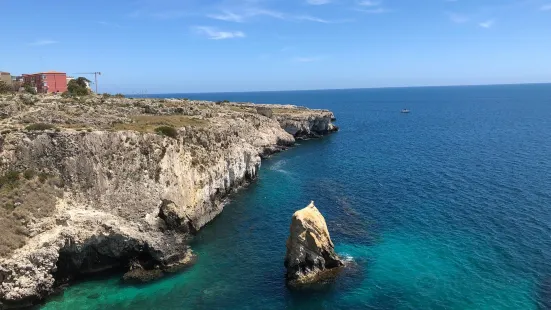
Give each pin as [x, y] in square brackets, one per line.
[47, 82]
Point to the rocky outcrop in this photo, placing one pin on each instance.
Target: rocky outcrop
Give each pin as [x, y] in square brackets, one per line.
[131, 198]
[310, 251]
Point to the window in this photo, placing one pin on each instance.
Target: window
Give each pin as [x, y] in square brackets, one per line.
[43, 76]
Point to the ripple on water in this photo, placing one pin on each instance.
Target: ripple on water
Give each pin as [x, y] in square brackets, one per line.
[405, 271]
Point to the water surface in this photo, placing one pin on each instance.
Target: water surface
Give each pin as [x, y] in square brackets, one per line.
[448, 207]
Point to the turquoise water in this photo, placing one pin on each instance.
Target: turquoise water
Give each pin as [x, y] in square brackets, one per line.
[448, 207]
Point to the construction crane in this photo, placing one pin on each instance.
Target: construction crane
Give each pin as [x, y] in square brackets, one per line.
[95, 77]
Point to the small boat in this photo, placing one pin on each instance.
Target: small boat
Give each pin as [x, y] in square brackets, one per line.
[404, 111]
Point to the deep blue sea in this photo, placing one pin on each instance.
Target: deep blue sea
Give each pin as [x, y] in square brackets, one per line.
[448, 207]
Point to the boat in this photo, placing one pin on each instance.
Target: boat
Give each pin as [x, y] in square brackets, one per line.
[404, 111]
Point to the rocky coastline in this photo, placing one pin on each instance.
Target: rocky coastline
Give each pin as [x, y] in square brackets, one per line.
[99, 183]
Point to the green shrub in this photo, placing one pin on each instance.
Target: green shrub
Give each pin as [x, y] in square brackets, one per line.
[66, 94]
[78, 86]
[40, 126]
[29, 89]
[29, 174]
[106, 95]
[9, 178]
[119, 96]
[168, 131]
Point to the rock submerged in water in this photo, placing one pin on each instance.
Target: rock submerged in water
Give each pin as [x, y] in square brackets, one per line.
[310, 251]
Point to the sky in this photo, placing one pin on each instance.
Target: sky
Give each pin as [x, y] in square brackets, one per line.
[170, 46]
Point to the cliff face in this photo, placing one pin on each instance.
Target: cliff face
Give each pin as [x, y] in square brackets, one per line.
[114, 189]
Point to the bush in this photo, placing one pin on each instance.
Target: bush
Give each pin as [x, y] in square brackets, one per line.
[28, 99]
[106, 95]
[5, 87]
[40, 126]
[168, 131]
[66, 94]
[78, 87]
[9, 178]
[264, 111]
[29, 89]
[119, 96]
[29, 174]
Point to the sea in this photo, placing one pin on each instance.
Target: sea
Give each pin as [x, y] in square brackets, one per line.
[446, 207]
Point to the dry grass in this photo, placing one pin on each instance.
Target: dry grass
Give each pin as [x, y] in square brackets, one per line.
[242, 109]
[148, 123]
[287, 111]
[24, 197]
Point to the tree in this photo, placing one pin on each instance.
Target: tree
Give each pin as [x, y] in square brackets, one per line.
[78, 86]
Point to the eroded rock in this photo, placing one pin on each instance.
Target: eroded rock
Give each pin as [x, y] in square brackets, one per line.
[310, 251]
[129, 194]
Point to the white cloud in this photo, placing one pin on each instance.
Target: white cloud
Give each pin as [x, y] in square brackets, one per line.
[317, 2]
[374, 11]
[262, 12]
[246, 14]
[371, 7]
[228, 16]
[256, 12]
[369, 3]
[487, 24]
[215, 34]
[546, 7]
[319, 20]
[43, 42]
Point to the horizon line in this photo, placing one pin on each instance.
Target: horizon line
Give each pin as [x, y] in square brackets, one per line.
[352, 88]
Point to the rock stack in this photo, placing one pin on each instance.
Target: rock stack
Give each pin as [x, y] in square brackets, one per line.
[310, 251]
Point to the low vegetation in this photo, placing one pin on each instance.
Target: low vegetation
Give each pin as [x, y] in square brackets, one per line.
[78, 87]
[168, 131]
[149, 123]
[5, 87]
[264, 111]
[24, 198]
[40, 126]
[29, 89]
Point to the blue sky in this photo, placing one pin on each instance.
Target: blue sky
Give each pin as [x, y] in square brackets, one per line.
[156, 46]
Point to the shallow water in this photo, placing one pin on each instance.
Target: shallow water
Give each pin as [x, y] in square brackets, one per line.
[448, 207]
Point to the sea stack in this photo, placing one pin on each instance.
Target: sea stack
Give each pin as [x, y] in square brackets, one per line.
[310, 251]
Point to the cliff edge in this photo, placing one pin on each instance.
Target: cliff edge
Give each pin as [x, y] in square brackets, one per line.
[99, 183]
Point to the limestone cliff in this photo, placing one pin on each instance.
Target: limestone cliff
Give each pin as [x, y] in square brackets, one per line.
[95, 183]
[310, 251]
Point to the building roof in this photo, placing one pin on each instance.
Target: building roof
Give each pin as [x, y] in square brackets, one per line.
[4, 73]
[55, 72]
